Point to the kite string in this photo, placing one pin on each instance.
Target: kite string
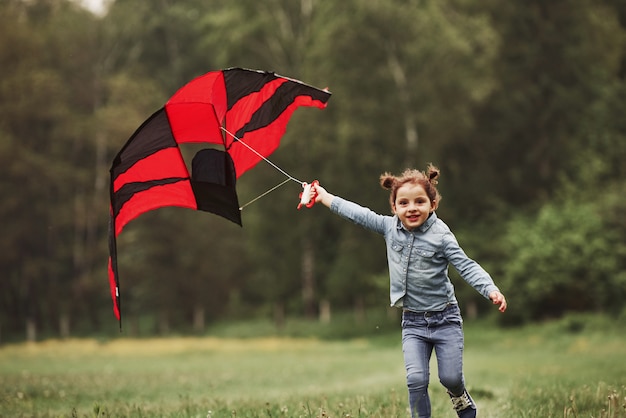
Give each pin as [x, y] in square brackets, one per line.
[263, 194]
[289, 177]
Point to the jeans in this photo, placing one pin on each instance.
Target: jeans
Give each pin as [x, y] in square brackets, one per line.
[421, 332]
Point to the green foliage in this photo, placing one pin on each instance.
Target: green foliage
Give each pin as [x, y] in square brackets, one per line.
[45, 108]
[567, 257]
[520, 104]
[558, 64]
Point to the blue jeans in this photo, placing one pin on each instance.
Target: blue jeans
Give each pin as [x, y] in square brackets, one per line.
[421, 332]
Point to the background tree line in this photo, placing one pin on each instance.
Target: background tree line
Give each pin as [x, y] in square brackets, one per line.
[520, 104]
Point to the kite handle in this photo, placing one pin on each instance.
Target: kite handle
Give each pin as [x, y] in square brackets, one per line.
[305, 196]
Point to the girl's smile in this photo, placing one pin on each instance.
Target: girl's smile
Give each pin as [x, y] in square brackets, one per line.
[412, 205]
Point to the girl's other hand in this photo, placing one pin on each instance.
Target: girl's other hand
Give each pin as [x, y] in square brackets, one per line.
[498, 299]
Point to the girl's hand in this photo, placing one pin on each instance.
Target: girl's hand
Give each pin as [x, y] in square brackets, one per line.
[322, 195]
[498, 299]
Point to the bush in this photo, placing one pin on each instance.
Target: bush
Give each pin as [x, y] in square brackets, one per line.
[570, 256]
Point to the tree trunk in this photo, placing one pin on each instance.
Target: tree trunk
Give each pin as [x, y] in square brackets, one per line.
[359, 310]
[64, 326]
[308, 279]
[471, 309]
[325, 314]
[31, 330]
[164, 323]
[198, 319]
[279, 315]
[404, 94]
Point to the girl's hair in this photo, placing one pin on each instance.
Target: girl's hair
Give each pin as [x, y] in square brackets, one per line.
[428, 180]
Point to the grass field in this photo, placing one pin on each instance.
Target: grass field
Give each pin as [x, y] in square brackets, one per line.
[571, 368]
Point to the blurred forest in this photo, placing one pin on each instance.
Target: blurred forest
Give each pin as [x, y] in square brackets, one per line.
[522, 105]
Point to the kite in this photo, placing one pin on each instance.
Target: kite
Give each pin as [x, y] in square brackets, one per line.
[241, 114]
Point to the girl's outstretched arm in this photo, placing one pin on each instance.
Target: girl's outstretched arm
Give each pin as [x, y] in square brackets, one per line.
[322, 195]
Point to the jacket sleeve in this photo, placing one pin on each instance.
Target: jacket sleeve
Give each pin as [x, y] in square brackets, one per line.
[469, 269]
[360, 215]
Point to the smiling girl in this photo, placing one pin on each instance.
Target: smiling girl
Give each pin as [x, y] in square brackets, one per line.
[420, 246]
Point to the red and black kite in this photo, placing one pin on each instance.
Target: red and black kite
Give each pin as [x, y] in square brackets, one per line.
[149, 172]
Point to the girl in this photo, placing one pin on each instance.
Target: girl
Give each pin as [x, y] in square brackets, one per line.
[419, 248]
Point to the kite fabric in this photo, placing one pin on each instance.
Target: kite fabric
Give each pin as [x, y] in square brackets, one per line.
[224, 108]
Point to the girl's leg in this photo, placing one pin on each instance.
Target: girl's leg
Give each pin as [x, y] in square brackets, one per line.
[449, 343]
[417, 351]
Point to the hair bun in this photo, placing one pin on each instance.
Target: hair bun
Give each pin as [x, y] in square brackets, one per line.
[433, 174]
[387, 180]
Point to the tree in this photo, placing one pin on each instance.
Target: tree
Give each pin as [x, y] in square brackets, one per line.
[556, 63]
[43, 135]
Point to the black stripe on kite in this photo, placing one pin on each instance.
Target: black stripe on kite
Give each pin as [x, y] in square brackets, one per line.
[269, 111]
[127, 191]
[152, 136]
[240, 83]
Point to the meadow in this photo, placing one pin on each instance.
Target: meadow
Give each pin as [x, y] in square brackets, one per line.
[575, 367]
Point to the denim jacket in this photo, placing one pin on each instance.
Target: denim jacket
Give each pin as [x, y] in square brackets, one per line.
[418, 260]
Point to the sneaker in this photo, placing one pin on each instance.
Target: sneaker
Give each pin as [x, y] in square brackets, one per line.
[463, 405]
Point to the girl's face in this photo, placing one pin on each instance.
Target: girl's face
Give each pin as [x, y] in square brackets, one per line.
[412, 205]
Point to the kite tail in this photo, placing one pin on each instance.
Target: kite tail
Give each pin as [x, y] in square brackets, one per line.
[114, 280]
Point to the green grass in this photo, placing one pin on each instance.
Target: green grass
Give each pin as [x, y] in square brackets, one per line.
[570, 368]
